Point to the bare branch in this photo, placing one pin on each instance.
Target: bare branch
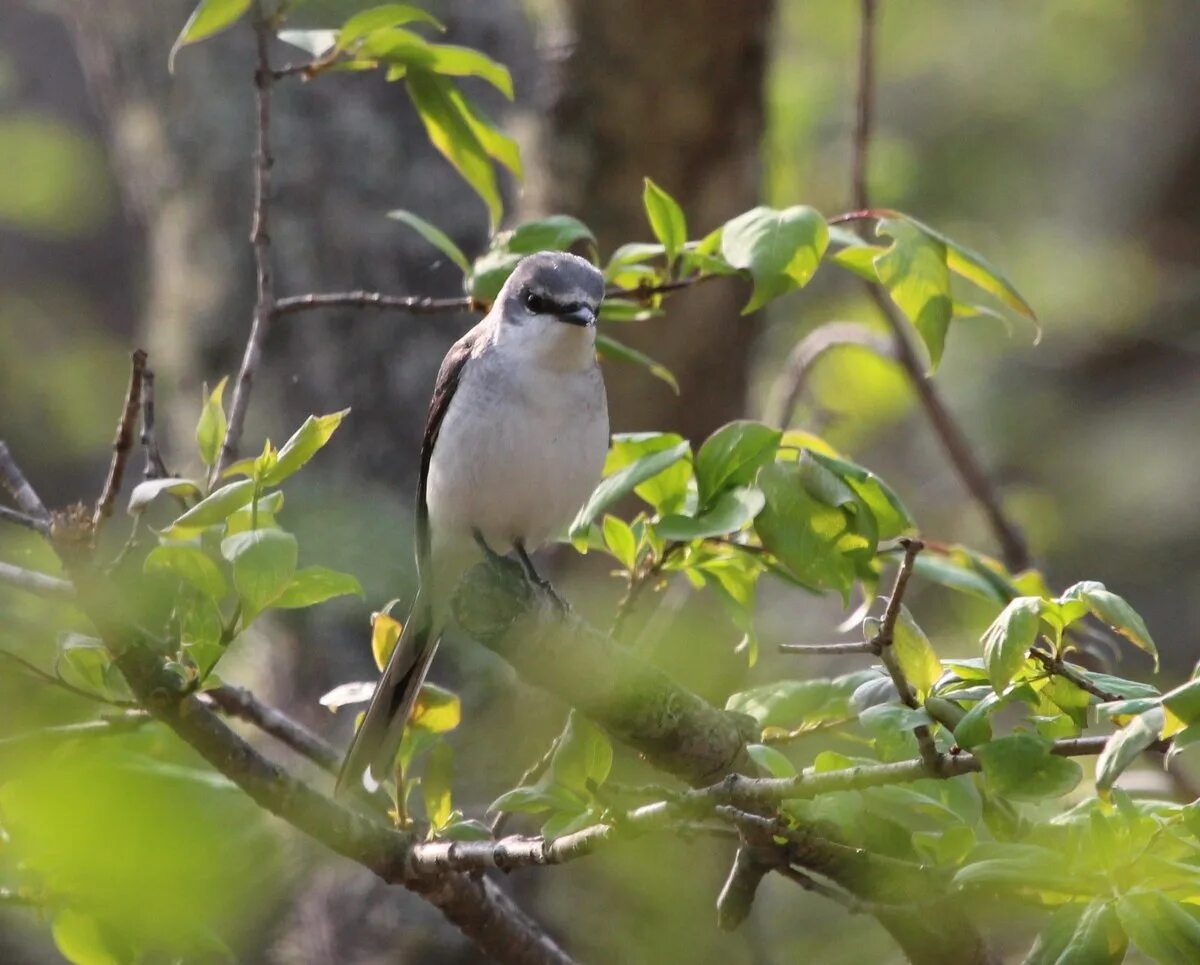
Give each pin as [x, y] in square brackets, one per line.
[260, 239]
[789, 386]
[102, 727]
[155, 467]
[23, 494]
[39, 526]
[850, 646]
[122, 443]
[241, 703]
[414, 304]
[39, 584]
[865, 103]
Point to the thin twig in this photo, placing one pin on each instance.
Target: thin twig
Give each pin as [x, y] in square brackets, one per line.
[122, 442]
[23, 494]
[38, 673]
[1056, 665]
[850, 646]
[241, 703]
[260, 239]
[155, 467]
[20, 519]
[1013, 548]
[414, 304]
[789, 386]
[103, 727]
[39, 584]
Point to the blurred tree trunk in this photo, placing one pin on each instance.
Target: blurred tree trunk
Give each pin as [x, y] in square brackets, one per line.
[671, 91]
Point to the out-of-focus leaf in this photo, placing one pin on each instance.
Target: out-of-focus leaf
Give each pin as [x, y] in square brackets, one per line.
[1184, 701]
[624, 481]
[210, 430]
[1021, 766]
[583, 757]
[303, 445]
[771, 761]
[789, 703]
[1008, 639]
[343, 695]
[732, 510]
[1161, 928]
[621, 542]
[1124, 746]
[316, 584]
[915, 273]
[466, 830]
[780, 249]
[380, 18]
[1111, 609]
[209, 17]
[891, 515]
[436, 781]
[732, 456]
[214, 508]
[915, 653]
[859, 259]
[610, 348]
[146, 492]
[455, 61]
[263, 562]
[437, 709]
[82, 941]
[666, 219]
[434, 235]
[190, 564]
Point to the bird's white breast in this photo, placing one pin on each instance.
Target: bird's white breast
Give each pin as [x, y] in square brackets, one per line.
[520, 449]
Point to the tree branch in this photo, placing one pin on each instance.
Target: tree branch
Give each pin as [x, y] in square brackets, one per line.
[155, 467]
[20, 519]
[850, 646]
[122, 443]
[241, 703]
[39, 674]
[39, 584]
[414, 304]
[23, 494]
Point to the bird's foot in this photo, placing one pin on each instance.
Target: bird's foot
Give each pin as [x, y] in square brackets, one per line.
[532, 575]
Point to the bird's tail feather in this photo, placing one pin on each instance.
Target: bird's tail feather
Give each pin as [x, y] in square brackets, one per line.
[375, 745]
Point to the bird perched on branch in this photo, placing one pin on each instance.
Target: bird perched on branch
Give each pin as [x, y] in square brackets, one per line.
[514, 444]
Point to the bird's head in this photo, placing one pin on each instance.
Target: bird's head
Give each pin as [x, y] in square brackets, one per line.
[550, 302]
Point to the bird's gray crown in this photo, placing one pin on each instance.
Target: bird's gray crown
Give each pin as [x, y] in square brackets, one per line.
[559, 279]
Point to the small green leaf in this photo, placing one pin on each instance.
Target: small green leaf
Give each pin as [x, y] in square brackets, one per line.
[633, 253]
[436, 780]
[214, 508]
[380, 18]
[732, 510]
[529, 800]
[144, 493]
[316, 584]
[610, 348]
[303, 445]
[788, 704]
[624, 481]
[568, 822]
[556, 232]
[82, 941]
[1184, 701]
[732, 456]
[780, 249]
[668, 491]
[189, 564]
[1109, 608]
[465, 62]
[583, 757]
[86, 663]
[1021, 766]
[915, 654]
[210, 430]
[210, 17]
[1071, 937]
[437, 709]
[892, 517]
[1008, 639]
[434, 235]
[263, 562]
[1124, 746]
[771, 761]
[621, 542]
[859, 259]
[666, 219]
[975, 727]
[468, 830]
[915, 273]
[1161, 928]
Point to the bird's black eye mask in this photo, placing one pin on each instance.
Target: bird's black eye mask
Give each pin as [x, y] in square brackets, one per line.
[574, 313]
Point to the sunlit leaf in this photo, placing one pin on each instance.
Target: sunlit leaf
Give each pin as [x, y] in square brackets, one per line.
[208, 18]
[1124, 746]
[619, 539]
[667, 492]
[303, 445]
[437, 709]
[436, 781]
[732, 510]
[624, 481]
[210, 430]
[732, 456]
[1021, 766]
[214, 508]
[1114, 611]
[773, 763]
[780, 249]
[316, 584]
[190, 564]
[914, 271]
[1008, 639]
[381, 17]
[263, 562]
[666, 219]
[583, 757]
[915, 654]
[1161, 928]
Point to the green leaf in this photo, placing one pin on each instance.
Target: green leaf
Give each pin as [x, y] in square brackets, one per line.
[976, 269]
[82, 941]
[568, 822]
[381, 17]
[1160, 927]
[1109, 608]
[892, 517]
[210, 17]
[975, 727]
[623, 481]
[303, 445]
[557, 232]
[1124, 746]
[453, 134]
[210, 431]
[915, 273]
[1184, 701]
[1021, 766]
[733, 509]
[316, 584]
[788, 704]
[434, 235]
[1008, 639]
[732, 456]
[771, 761]
[189, 564]
[859, 259]
[583, 757]
[915, 654]
[144, 493]
[633, 253]
[465, 62]
[668, 491]
[666, 219]
[86, 663]
[803, 533]
[263, 561]
[780, 249]
[610, 348]
[214, 508]
[621, 542]
[1071, 937]
[436, 780]
[468, 830]
[529, 800]
[437, 709]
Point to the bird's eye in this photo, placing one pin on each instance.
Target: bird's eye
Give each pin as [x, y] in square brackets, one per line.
[535, 303]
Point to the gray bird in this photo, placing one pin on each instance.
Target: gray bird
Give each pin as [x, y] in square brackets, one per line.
[514, 444]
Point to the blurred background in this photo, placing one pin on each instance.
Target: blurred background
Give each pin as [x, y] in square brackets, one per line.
[1060, 138]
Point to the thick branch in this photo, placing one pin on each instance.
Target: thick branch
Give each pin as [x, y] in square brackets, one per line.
[17, 486]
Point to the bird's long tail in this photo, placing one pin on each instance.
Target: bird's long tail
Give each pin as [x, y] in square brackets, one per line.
[378, 739]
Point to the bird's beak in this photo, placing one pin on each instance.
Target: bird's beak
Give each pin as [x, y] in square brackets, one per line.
[582, 316]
